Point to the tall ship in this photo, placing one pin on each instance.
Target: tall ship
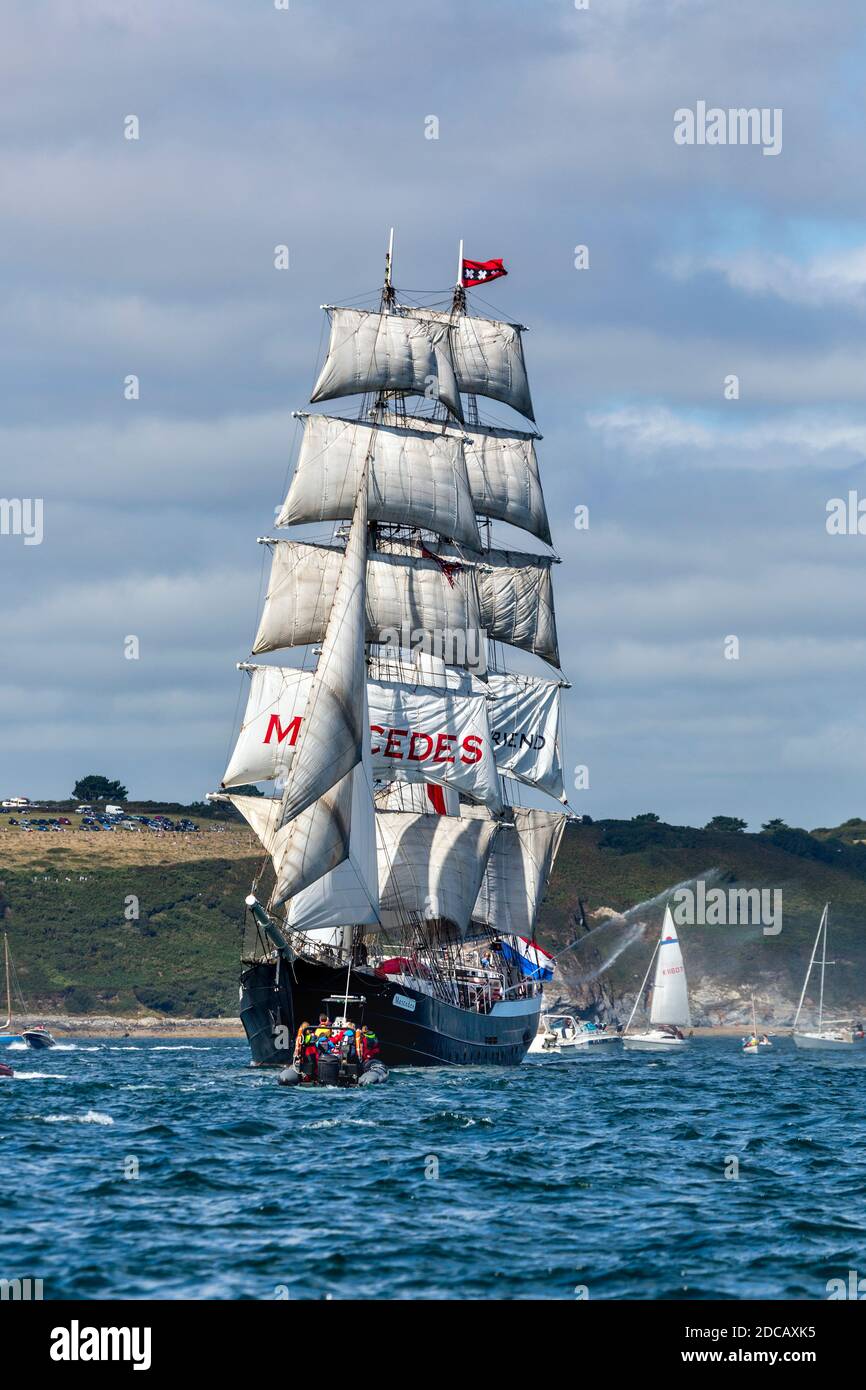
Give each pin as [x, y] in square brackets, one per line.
[399, 868]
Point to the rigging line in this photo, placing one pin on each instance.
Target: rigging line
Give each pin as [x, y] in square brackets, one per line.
[479, 299]
[350, 301]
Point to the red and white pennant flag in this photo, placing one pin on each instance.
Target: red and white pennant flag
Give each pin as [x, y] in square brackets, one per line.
[479, 272]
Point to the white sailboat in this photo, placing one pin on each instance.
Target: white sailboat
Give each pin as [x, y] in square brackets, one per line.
[33, 1037]
[669, 1010]
[833, 1034]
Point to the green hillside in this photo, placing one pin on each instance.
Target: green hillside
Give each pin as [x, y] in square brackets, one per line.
[76, 951]
[618, 864]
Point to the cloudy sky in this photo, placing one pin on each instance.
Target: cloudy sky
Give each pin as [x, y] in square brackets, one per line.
[261, 126]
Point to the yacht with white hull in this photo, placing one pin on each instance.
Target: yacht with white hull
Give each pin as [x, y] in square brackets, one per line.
[669, 1009]
[832, 1034]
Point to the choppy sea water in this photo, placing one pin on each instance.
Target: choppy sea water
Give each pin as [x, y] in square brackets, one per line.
[604, 1172]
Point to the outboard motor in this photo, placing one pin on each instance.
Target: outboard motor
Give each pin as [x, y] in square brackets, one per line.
[374, 1075]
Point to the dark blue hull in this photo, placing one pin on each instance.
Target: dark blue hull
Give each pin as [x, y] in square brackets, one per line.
[414, 1029]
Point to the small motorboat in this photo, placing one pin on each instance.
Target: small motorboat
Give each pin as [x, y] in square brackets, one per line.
[39, 1037]
[5, 1071]
[562, 1034]
[336, 1051]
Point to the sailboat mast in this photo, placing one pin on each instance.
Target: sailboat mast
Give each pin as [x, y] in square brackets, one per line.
[388, 287]
[458, 303]
[823, 969]
[811, 963]
[643, 987]
[8, 1022]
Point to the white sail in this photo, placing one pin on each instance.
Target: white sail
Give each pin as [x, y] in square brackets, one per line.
[525, 723]
[334, 727]
[431, 866]
[425, 735]
[502, 469]
[271, 725]
[519, 870]
[317, 841]
[670, 996]
[515, 596]
[408, 593]
[422, 668]
[262, 814]
[416, 733]
[416, 477]
[487, 357]
[348, 894]
[388, 352]
[424, 798]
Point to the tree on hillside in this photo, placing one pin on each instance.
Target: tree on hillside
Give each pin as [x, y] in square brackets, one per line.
[96, 788]
[730, 824]
[776, 824]
[645, 818]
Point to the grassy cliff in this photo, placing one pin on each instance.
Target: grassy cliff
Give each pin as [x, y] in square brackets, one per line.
[128, 923]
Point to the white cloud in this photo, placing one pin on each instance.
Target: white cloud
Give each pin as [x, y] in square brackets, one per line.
[779, 442]
[832, 279]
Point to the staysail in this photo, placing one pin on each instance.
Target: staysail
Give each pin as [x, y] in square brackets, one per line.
[333, 729]
[344, 894]
[670, 996]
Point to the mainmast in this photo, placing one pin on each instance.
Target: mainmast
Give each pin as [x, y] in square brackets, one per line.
[388, 288]
[458, 304]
